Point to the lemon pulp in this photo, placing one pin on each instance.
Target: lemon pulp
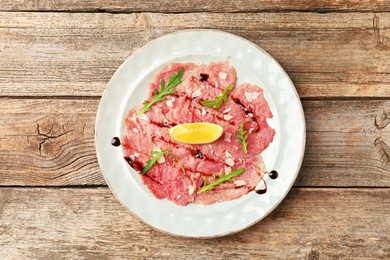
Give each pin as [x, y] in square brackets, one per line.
[196, 133]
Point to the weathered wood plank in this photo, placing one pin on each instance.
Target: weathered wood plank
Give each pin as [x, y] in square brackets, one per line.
[346, 141]
[50, 142]
[194, 6]
[326, 55]
[90, 223]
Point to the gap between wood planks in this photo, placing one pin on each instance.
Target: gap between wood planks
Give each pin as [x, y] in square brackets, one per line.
[165, 6]
[314, 11]
[70, 97]
[105, 186]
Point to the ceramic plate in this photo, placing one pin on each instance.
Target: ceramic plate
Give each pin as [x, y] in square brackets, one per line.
[128, 88]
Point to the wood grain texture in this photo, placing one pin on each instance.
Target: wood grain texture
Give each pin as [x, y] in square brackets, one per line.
[347, 144]
[194, 6]
[48, 142]
[51, 142]
[90, 223]
[75, 54]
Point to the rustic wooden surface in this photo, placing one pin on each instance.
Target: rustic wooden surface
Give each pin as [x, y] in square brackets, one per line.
[61, 223]
[56, 58]
[75, 54]
[50, 142]
[176, 6]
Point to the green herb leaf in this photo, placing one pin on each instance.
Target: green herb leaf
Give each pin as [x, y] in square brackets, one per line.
[149, 164]
[174, 80]
[166, 151]
[242, 136]
[215, 182]
[157, 155]
[217, 102]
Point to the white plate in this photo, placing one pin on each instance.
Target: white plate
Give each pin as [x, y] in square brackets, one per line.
[128, 87]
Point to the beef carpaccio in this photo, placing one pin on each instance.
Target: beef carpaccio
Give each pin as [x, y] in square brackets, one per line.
[202, 162]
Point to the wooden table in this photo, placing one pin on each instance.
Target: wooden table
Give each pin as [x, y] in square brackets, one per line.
[56, 59]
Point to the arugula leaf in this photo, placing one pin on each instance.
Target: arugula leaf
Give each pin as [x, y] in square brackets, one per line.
[149, 164]
[242, 136]
[217, 102]
[174, 80]
[166, 151]
[157, 155]
[228, 177]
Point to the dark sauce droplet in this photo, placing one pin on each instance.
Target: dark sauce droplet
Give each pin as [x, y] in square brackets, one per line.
[247, 110]
[116, 141]
[128, 160]
[135, 164]
[262, 191]
[273, 174]
[203, 77]
[199, 154]
[168, 125]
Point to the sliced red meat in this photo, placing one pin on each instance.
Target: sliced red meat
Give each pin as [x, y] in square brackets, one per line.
[221, 195]
[149, 132]
[192, 84]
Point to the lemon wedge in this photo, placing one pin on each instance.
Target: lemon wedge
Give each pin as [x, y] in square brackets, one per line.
[196, 133]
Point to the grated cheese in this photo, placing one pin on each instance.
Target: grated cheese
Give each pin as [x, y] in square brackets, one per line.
[250, 96]
[226, 110]
[222, 75]
[229, 161]
[196, 93]
[239, 183]
[144, 117]
[227, 117]
[227, 154]
[162, 158]
[203, 111]
[191, 189]
[227, 137]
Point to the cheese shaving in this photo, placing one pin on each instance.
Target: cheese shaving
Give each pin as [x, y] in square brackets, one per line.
[250, 96]
[227, 117]
[227, 154]
[162, 158]
[227, 137]
[191, 189]
[227, 110]
[196, 93]
[239, 183]
[222, 75]
[144, 117]
[229, 161]
[203, 112]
